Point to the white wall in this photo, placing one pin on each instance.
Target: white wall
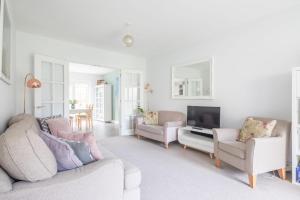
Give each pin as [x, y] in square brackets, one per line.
[29, 44]
[252, 70]
[7, 100]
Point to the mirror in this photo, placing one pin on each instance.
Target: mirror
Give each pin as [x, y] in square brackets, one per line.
[193, 81]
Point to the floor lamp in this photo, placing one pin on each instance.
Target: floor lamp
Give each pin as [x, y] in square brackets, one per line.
[33, 83]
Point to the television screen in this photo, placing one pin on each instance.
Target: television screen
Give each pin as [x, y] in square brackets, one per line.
[203, 117]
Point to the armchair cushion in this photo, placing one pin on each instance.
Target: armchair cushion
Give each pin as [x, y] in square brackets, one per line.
[254, 128]
[234, 148]
[151, 128]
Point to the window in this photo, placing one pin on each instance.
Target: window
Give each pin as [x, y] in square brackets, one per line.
[81, 93]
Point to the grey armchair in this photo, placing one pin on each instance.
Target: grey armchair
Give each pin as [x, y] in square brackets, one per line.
[166, 129]
[257, 155]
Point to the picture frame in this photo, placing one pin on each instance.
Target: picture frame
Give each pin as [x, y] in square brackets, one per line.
[5, 43]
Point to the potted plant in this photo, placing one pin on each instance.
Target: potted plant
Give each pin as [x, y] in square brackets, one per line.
[140, 111]
[72, 102]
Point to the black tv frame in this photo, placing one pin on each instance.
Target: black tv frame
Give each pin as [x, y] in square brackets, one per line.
[218, 110]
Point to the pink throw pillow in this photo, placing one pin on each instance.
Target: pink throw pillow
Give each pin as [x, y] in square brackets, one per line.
[59, 124]
[87, 138]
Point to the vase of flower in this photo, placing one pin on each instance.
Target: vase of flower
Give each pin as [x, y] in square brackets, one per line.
[72, 102]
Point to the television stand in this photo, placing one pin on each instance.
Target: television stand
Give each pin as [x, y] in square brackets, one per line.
[200, 139]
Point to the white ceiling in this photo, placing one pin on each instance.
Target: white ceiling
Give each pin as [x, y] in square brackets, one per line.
[158, 26]
[89, 69]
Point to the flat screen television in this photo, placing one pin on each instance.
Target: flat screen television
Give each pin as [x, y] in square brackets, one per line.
[203, 117]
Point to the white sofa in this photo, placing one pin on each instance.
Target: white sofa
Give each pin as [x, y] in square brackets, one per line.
[107, 179]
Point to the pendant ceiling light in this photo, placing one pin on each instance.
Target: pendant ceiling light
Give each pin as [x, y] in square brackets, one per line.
[128, 38]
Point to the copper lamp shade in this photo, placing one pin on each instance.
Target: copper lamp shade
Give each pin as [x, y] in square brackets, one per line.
[34, 83]
[30, 83]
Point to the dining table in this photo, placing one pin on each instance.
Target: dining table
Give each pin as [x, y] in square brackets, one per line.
[78, 110]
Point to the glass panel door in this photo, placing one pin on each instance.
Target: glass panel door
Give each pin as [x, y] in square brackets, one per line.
[132, 97]
[51, 98]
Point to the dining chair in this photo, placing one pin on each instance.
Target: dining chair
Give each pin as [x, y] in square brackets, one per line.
[86, 116]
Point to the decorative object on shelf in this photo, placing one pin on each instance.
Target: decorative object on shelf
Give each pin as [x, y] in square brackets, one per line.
[100, 82]
[298, 173]
[148, 90]
[295, 141]
[72, 102]
[128, 38]
[5, 43]
[32, 83]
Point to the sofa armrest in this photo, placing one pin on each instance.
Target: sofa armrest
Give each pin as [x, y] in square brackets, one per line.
[139, 120]
[265, 154]
[225, 134]
[173, 124]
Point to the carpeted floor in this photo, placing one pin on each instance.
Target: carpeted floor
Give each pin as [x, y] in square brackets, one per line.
[178, 174]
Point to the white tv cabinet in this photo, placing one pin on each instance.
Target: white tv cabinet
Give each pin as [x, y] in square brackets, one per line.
[195, 141]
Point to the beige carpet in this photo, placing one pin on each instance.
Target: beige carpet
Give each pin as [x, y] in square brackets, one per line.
[178, 174]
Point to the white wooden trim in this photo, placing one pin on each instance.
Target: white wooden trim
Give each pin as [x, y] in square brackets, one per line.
[3, 5]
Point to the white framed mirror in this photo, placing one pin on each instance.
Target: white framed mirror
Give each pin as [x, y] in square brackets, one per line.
[193, 80]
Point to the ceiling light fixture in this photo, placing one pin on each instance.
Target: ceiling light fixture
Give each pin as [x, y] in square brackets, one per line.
[128, 38]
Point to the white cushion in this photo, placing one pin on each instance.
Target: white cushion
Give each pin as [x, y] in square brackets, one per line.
[24, 155]
[5, 181]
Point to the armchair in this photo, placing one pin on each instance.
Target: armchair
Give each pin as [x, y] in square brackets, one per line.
[257, 155]
[166, 129]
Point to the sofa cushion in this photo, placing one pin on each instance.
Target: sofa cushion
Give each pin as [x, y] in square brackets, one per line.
[43, 124]
[151, 118]
[24, 155]
[82, 151]
[170, 116]
[87, 138]
[234, 148]
[151, 128]
[59, 125]
[5, 181]
[31, 121]
[255, 129]
[65, 156]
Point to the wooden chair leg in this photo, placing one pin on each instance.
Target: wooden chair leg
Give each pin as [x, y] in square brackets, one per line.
[252, 181]
[218, 163]
[282, 173]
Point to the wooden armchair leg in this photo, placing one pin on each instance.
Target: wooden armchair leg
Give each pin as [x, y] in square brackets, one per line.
[218, 163]
[282, 173]
[252, 180]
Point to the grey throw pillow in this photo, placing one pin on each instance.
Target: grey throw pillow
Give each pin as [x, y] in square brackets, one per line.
[82, 151]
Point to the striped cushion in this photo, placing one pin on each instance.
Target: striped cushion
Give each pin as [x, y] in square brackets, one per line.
[43, 123]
